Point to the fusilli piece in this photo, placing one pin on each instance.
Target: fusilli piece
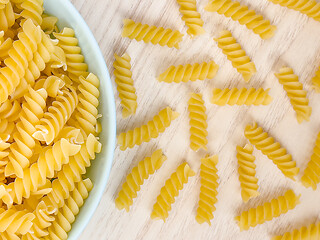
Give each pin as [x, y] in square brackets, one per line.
[125, 87]
[243, 15]
[188, 72]
[10, 110]
[315, 81]
[3, 3]
[241, 96]
[48, 24]
[32, 9]
[153, 34]
[192, 18]
[170, 191]
[146, 132]
[272, 149]
[136, 178]
[309, 7]
[208, 189]
[5, 46]
[7, 18]
[198, 122]
[236, 55]
[311, 175]
[247, 173]
[268, 210]
[311, 232]
[295, 92]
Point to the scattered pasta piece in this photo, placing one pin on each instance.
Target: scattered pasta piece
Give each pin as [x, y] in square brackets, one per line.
[243, 15]
[153, 34]
[316, 81]
[124, 81]
[241, 96]
[272, 150]
[311, 232]
[247, 172]
[136, 178]
[198, 122]
[268, 210]
[188, 72]
[311, 175]
[295, 92]
[170, 191]
[192, 18]
[236, 55]
[146, 132]
[208, 189]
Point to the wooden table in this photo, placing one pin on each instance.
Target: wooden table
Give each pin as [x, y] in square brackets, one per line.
[296, 43]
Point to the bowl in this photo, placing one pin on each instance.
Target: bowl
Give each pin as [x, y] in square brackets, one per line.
[100, 169]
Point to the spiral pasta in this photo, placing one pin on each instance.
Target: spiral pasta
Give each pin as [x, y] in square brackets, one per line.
[295, 92]
[48, 24]
[52, 85]
[311, 175]
[309, 7]
[236, 55]
[241, 96]
[316, 81]
[10, 110]
[124, 81]
[5, 46]
[3, 3]
[311, 232]
[272, 149]
[7, 18]
[32, 9]
[198, 122]
[268, 210]
[247, 172]
[243, 15]
[170, 191]
[188, 72]
[136, 178]
[153, 34]
[146, 132]
[208, 189]
[192, 18]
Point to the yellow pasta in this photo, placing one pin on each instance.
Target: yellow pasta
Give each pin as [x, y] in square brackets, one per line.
[7, 18]
[146, 132]
[243, 15]
[3, 3]
[198, 122]
[153, 34]
[268, 210]
[32, 9]
[10, 110]
[316, 81]
[309, 7]
[185, 73]
[170, 191]
[247, 172]
[295, 92]
[5, 46]
[48, 24]
[269, 147]
[311, 175]
[208, 189]
[241, 96]
[136, 178]
[192, 18]
[236, 55]
[124, 81]
[311, 232]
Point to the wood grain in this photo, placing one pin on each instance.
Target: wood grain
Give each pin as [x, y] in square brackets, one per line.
[296, 44]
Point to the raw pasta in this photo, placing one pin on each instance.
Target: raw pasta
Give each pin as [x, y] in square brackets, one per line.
[243, 15]
[136, 178]
[153, 34]
[247, 172]
[208, 189]
[170, 191]
[272, 149]
[124, 81]
[316, 81]
[192, 18]
[145, 133]
[268, 210]
[236, 55]
[241, 96]
[7, 16]
[311, 175]
[188, 72]
[311, 232]
[198, 122]
[295, 92]
[32, 9]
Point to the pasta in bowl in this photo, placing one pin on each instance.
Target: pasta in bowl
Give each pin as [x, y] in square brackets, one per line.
[52, 79]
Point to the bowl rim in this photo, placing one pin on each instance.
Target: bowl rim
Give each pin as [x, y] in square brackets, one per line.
[111, 115]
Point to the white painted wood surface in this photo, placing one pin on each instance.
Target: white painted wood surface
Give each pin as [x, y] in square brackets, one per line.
[296, 44]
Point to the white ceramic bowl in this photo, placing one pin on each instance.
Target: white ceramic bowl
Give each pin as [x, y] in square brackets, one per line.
[100, 169]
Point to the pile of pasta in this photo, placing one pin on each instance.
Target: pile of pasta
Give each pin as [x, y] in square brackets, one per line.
[48, 123]
[255, 134]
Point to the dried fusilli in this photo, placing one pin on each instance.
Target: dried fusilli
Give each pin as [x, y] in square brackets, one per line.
[7, 16]
[311, 232]
[32, 9]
